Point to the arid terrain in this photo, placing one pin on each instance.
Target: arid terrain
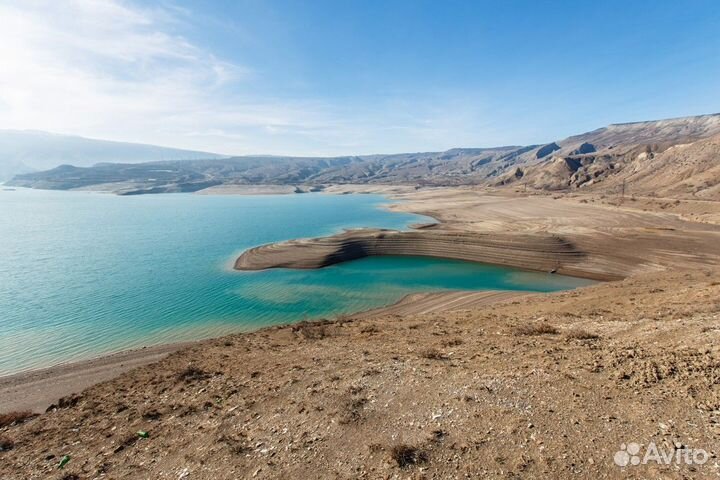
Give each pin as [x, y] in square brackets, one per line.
[373, 240]
[439, 385]
[448, 385]
[672, 157]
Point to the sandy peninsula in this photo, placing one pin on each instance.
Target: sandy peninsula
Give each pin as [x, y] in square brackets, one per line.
[575, 235]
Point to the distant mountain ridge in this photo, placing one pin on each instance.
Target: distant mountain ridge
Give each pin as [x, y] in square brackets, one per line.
[650, 155]
[23, 151]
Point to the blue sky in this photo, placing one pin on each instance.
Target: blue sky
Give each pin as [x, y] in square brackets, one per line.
[352, 77]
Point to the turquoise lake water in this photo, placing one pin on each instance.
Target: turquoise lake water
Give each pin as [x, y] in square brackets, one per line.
[83, 274]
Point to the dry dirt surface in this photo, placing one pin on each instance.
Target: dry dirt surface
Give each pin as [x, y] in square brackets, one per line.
[543, 386]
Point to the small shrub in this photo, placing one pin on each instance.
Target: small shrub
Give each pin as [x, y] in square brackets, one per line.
[433, 354]
[537, 329]
[353, 410]
[192, 373]
[69, 401]
[581, 335]
[375, 448]
[310, 330]
[6, 444]
[407, 456]
[15, 417]
[438, 435]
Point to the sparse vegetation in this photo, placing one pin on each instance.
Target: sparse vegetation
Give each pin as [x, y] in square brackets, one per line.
[438, 435]
[6, 444]
[288, 407]
[311, 330]
[11, 418]
[407, 456]
[353, 409]
[536, 329]
[192, 373]
[581, 335]
[433, 354]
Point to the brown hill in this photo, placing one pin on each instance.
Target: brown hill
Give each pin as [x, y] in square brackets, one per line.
[676, 155]
[679, 156]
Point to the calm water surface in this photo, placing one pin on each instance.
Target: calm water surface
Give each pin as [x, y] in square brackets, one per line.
[83, 274]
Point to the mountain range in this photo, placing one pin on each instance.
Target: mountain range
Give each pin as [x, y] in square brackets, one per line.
[24, 151]
[679, 156]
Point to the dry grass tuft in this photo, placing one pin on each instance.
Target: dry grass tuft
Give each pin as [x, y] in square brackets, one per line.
[536, 329]
[352, 411]
[6, 444]
[407, 456]
[581, 335]
[15, 417]
[311, 330]
[454, 342]
[433, 354]
[192, 373]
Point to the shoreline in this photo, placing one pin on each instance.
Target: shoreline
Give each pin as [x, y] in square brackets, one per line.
[39, 388]
[624, 240]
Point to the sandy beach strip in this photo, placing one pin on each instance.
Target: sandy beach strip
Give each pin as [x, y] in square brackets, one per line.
[36, 390]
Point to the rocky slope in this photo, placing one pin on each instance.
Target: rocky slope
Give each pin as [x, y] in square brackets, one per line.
[600, 159]
[645, 156]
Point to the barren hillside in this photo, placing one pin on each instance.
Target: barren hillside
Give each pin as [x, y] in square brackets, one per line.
[600, 159]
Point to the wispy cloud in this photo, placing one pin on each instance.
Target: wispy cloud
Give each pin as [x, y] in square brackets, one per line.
[95, 65]
[117, 70]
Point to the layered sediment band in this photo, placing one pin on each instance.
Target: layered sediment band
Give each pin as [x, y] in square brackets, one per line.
[538, 252]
